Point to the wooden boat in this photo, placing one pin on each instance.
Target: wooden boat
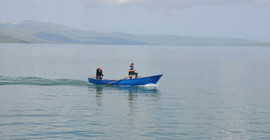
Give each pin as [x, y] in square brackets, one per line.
[126, 82]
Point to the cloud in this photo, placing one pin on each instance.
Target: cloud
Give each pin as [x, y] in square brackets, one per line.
[171, 3]
[100, 3]
[169, 7]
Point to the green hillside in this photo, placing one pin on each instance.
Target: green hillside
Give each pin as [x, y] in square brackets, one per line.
[41, 32]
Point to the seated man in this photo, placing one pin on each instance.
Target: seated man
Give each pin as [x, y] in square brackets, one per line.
[99, 73]
[131, 71]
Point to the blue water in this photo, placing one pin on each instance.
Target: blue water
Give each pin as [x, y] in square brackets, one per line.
[217, 92]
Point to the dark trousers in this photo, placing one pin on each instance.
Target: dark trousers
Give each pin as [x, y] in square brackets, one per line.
[132, 73]
[99, 77]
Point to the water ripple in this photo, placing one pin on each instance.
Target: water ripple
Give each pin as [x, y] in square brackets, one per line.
[4, 80]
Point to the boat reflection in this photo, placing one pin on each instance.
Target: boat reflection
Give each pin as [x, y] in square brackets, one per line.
[126, 89]
[132, 92]
[99, 95]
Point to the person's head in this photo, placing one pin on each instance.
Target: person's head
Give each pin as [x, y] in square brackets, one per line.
[100, 67]
[132, 64]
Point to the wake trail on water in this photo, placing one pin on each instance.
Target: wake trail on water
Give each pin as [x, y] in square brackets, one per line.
[4, 80]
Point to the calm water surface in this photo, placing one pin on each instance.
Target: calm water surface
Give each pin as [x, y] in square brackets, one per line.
[218, 92]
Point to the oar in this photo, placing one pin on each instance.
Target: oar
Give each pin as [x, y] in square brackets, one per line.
[120, 79]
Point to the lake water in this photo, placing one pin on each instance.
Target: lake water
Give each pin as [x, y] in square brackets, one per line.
[218, 92]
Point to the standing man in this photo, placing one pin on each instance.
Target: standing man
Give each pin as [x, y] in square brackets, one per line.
[99, 73]
[131, 71]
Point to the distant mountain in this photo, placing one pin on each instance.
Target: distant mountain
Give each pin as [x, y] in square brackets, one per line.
[42, 32]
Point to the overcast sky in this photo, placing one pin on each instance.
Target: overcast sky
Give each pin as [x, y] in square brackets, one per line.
[249, 19]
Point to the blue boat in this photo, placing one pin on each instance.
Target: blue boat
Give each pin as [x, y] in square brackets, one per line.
[127, 82]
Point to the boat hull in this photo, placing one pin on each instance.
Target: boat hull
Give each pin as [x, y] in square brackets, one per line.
[127, 82]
